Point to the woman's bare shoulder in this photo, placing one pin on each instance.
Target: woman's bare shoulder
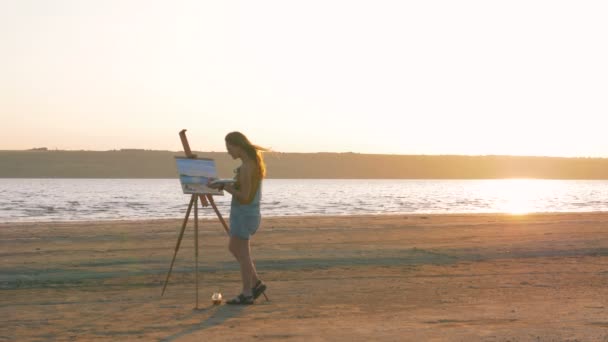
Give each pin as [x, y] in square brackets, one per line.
[248, 167]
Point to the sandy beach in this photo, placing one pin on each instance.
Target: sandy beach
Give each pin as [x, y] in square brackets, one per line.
[388, 278]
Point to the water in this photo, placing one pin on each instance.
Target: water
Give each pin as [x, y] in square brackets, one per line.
[114, 199]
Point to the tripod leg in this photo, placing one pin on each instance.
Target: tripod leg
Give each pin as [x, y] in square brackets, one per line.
[219, 215]
[204, 201]
[196, 245]
[179, 241]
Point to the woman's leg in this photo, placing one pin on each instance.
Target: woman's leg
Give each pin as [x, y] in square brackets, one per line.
[241, 250]
[254, 273]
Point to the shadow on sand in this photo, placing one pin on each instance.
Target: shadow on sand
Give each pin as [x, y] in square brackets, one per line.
[219, 314]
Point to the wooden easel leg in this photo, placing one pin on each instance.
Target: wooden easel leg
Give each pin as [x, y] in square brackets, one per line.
[196, 245]
[219, 215]
[179, 241]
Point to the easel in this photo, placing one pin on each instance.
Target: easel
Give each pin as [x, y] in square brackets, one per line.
[205, 201]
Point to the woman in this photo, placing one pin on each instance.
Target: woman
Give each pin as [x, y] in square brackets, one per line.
[245, 211]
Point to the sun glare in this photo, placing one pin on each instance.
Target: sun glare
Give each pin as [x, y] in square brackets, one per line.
[516, 196]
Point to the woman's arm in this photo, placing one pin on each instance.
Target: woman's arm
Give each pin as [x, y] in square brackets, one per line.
[243, 194]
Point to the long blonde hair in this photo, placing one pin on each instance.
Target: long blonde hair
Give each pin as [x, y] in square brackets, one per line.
[253, 151]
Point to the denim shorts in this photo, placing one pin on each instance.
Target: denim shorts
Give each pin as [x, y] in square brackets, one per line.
[244, 226]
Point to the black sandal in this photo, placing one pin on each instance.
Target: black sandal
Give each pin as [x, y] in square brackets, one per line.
[241, 300]
[259, 289]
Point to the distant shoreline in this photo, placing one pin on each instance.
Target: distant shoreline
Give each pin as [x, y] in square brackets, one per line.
[147, 164]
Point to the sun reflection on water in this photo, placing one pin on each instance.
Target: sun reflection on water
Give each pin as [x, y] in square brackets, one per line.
[519, 196]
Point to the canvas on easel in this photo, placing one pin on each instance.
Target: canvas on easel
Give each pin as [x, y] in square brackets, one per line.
[194, 173]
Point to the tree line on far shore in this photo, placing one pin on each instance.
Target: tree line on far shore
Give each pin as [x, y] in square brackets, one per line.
[135, 163]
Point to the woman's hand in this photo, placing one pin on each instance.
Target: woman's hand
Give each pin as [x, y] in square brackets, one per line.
[214, 185]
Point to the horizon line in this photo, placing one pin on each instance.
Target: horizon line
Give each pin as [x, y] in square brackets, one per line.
[44, 149]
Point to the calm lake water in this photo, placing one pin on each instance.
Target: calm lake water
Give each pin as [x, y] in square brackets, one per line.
[114, 199]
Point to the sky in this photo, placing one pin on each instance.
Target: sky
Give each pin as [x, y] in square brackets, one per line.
[384, 77]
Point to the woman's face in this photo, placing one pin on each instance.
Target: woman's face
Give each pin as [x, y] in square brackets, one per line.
[233, 150]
